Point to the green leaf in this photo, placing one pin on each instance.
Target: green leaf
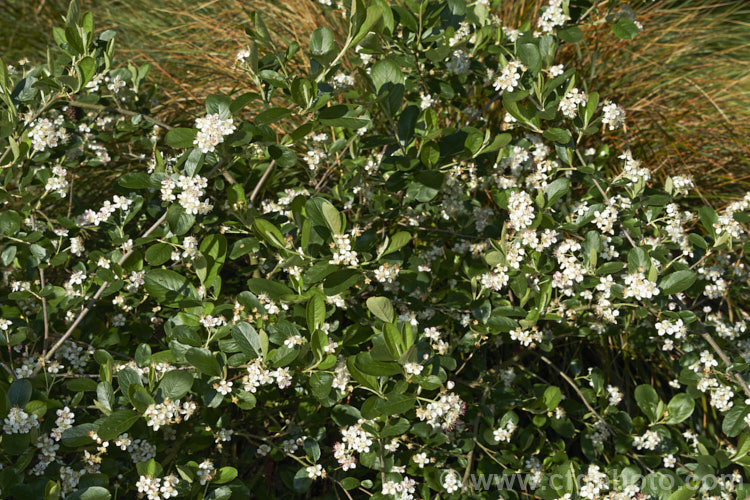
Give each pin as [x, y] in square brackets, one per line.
[158, 254]
[530, 57]
[677, 281]
[680, 408]
[180, 137]
[78, 435]
[386, 70]
[87, 67]
[625, 29]
[552, 396]
[271, 115]
[708, 218]
[274, 289]
[178, 221]
[315, 312]
[117, 423]
[407, 123]
[332, 217]
[358, 375]
[284, 156]
[19, 392]
[393, 340]
[268, 232]
[321, 41]
[558, 135]
[105, 394]
[397, 241]
[638, 260]
[127, 377]
[214, 248]
[394, 404]
[340, 281]
[302, 481]
[734, 420]
[174, 384]
[426, 186]
[648, 401]
[224, 475]
[10, 222]
[321, 384]
[555, 190]
[274, 78]
[247, 339]
[381, 308]
[90, 493]
[302, 92]
[685, 492]
[572, 34]
[171, 288]
[203, 360]
[372, 366]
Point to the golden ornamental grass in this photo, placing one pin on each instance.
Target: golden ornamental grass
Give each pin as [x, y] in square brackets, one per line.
[684, 80]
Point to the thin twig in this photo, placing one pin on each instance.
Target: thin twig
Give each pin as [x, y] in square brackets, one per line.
[470, 456]
[7, 369]
[578, 391]
[708, 338]
[44, 313]
[92, 302]
[126, 112]
[704, 333]
[262, 180]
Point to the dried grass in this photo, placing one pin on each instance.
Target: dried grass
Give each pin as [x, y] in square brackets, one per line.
[685, 80]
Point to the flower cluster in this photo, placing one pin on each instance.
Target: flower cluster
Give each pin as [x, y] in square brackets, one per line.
[211, 131]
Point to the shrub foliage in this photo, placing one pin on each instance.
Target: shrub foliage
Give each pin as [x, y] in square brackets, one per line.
[386, 283]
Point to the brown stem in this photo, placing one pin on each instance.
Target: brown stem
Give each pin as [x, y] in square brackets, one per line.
[578, 391]
[262, 180]
[92, 302]
[126, 112]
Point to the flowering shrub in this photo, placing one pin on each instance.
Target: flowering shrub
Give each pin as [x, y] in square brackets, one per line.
[414, 266]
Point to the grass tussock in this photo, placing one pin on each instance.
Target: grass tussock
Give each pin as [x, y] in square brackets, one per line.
[685, 83]
[685, 80]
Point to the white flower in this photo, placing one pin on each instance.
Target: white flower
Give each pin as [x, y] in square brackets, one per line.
[19, 422]
[386, 273]
[206, 471]
[342, 80]
[503, 434]
[413, 368]
[648, 441]
[459, 63]
[342, 251]
[44, 134]
[211, 131]
[556, 70]
[57, 181]
[569, 104]
[615, 395]
[149, 486]
[223, 387]
[426, 101]
[495, 280]
[451, 481]
[292, 341]
[421, 459]
[613, 115]
[509, 77]
[315, 471]
[521, 208]
[553, 16]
